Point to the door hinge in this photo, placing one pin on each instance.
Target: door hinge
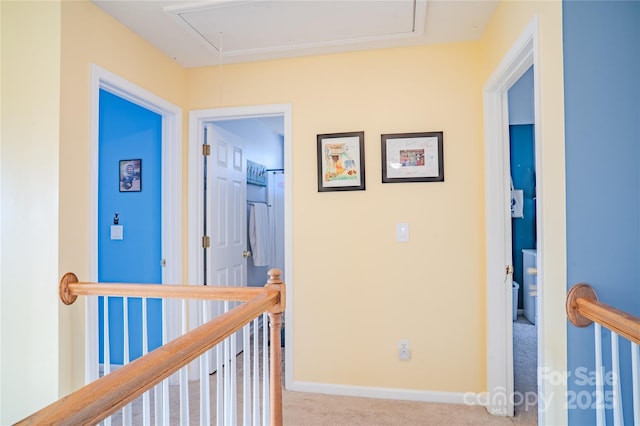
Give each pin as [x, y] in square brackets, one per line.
[163, 263]
[206, 242]
[206, 149]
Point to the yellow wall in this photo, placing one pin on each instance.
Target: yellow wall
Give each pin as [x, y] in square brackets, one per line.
[90, 36]
[430, 290]
[357, 291]
[507, 23]
[29, 220]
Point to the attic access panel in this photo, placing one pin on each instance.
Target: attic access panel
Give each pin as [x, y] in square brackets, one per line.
[235, 28]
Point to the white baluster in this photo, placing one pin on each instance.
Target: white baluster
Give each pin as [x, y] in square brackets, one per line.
[618, 418]
[219, 385]
[184, 376]
[233, 373]
[246, 375]
[256, 372]
[166, 404]
[92, 356]
[161, 399]
[266, 366]
[106, 357]
[635, 373]
[205, 408]
[599, 378]
[227, 376]
[126, 410]
[146, 409]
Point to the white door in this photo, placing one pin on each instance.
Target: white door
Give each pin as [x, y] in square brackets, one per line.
[225, 220]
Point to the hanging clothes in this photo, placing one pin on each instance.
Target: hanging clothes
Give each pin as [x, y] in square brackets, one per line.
[259, 234]
[276, 219]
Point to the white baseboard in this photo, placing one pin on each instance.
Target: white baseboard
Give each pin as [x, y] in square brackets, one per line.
[386, 393]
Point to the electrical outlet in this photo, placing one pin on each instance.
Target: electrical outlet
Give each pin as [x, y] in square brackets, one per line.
[404, 351]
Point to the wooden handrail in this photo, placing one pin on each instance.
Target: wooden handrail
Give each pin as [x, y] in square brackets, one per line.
[103, 397]
[70, 289]
[583, 308]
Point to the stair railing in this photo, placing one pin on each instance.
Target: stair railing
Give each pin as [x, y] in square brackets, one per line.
[583, 309]
[116, 390]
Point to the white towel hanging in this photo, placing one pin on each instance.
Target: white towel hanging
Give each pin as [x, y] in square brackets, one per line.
[259, 234]
[517, 202]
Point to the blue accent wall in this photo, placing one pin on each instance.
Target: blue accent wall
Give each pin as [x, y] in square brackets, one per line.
[128, 131]
[602, 125]
[523, 234]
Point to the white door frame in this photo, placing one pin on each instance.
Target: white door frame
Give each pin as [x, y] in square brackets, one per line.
[522, 55]
[197, 119]
[171, 203]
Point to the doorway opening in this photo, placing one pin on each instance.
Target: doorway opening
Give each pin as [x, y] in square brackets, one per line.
[171, 189]
[262, 139]
[499, 262]
[524, 246]
[264, 133]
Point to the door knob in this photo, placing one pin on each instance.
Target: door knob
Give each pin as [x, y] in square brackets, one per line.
[246, 253]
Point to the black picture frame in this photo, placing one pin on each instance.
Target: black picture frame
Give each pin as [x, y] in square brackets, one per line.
[130, 173]
[412, 157]
[341, 162]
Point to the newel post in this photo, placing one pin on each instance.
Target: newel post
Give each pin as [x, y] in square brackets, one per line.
[275, 327]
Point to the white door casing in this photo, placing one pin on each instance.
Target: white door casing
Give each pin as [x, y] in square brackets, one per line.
[197, 121]
[521, 56]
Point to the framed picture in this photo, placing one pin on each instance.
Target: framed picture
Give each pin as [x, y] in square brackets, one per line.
[412, 157]
[256, 173]
[130, 175]
[341, 162]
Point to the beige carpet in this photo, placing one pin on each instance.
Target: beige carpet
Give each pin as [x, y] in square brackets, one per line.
[525, 366]
[309, 409]
[306, 409]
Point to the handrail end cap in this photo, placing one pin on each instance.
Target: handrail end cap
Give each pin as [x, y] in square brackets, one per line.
[65, 294]
[579, 291]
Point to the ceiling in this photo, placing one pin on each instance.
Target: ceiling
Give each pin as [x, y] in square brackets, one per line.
[207, 33]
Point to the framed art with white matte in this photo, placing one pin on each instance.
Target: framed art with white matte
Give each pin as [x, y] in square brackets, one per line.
[412, 157]
[341, 162]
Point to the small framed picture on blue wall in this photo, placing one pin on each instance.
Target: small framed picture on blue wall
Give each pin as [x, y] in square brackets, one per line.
[130, 175]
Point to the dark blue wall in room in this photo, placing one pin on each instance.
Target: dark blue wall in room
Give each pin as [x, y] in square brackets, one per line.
[602, 125]
[523, 234]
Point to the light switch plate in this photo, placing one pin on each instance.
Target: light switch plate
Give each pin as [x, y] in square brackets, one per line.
[117, 232]
[402, 232]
